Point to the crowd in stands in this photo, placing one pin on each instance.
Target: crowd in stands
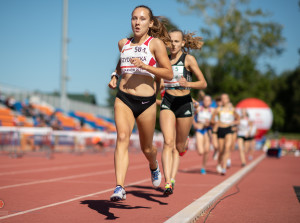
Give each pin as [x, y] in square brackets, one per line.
[33, 113]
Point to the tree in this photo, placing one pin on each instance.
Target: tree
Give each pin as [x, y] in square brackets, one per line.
[235, 38]
[288, 96]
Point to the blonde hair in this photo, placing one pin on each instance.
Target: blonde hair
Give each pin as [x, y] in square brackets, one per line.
[191, 41]
[158, 30]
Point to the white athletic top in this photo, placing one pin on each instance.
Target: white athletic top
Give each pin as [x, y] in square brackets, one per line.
[179, 71]
[243, 127]
[142, 52]
[226, 117]
[216, 118]
[253, 130]
[203, 115]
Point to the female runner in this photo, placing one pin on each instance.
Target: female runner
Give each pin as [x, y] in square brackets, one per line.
[226, 118]
[176, 110]
[243, 133]
[143, 58]
[214, 132]
[202, 124]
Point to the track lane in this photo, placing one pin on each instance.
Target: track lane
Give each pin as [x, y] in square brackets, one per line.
[142, 200]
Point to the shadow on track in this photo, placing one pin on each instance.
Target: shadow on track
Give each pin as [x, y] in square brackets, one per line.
[197, 171]
[148, 195]
[103, 207]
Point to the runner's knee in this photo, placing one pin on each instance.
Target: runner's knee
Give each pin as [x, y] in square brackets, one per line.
[122, 137]
[148, 149]
[169, 143]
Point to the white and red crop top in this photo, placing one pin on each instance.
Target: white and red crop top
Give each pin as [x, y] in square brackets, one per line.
[142, 52]
[203, 114]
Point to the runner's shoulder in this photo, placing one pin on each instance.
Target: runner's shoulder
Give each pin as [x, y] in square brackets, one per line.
[122, 42]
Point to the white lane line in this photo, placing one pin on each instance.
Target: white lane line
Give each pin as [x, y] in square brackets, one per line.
[67, 177]
[199, 206]
[70, 200]
[54, 162]
[21, 165]
[54, 168]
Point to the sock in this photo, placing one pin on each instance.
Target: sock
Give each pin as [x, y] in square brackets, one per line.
[154, 169]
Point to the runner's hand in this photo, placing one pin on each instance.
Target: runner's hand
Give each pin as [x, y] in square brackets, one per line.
[137, 62]
[183, 82]
[113, 82]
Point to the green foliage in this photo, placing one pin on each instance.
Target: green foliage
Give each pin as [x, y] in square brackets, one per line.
[288, 96]
[278, 116]
[235, 38]
[287, 135]
[233, 30]
[111, 97]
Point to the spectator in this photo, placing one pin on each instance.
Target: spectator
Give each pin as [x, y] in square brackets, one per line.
[10, 102]
[40, 121]
[55, 125]
[30, 111]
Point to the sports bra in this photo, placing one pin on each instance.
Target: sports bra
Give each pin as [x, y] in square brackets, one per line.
[226, 117]
[142, 52]
[203, 115]
[243, 127]
[179, 71]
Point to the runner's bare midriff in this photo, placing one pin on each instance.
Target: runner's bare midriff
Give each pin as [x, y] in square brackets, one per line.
[224, 125]
[178, 92]
[139, 85]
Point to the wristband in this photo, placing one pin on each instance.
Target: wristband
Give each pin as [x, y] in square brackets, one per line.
[114, 74]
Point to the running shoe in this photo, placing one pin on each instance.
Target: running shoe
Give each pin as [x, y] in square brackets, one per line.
[203, 171]
[228, 163]
[215, 156]
[156, 176]
[223, 172]
[168, 189]
[173, 183]
[119, 194]
[186, 148]
[219, 168]
[243, 164]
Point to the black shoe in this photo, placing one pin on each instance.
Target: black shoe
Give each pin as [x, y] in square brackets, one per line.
[168, 189]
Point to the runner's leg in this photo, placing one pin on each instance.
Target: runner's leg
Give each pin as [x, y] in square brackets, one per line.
[124, 123]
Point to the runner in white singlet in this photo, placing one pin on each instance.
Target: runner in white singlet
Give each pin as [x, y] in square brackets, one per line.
[135, 100]
[226, 118]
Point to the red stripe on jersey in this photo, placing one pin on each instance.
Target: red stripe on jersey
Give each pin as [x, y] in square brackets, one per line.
[127, 66]
[128, 41]
[147, 41]
[152, 62]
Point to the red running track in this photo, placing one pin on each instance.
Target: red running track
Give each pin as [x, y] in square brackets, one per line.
[265, 195]
[73, 188]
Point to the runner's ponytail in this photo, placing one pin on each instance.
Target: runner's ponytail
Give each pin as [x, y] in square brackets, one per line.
[191, 41]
